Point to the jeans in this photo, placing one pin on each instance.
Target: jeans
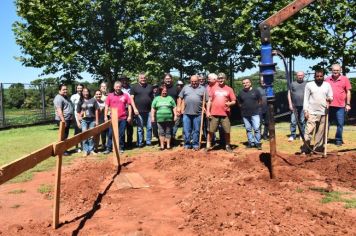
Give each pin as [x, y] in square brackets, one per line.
[88, 144]
[66, 129]
[142, 119]
[191, 126]
[252, 122]
[176, 126]
[129, 134]
[264, 122]
[293, 121]
[337, 115]
[122, 127]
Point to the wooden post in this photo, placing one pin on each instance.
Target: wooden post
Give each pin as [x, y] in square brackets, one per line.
[326, 132]
[2, 108]
[202, 120]
[57, 183]
[115, 135]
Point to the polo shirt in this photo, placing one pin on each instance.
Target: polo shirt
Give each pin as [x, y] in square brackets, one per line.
[340, 86]
[219, 96]
[119, 101]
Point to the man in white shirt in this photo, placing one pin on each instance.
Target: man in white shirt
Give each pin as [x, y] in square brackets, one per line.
[317, 96]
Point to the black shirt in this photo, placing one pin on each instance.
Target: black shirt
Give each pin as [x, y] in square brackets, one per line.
[249, 102]
[143, 96]
[88, 107]
[173, 92]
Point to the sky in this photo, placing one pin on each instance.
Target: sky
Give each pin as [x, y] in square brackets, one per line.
[12, 71]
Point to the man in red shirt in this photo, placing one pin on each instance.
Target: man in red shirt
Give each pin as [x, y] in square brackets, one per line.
[120, 100]
[341, 87]
[221, 98]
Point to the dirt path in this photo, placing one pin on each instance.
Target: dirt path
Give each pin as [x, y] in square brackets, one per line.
[190, 193]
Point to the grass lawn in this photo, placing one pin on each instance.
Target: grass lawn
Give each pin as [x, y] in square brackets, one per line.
[15, 143]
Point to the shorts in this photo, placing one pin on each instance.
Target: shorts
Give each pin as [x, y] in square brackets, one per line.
[216, 120]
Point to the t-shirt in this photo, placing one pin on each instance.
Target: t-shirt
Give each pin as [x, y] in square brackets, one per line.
[143, 96]
[315, 98]
[164, 108]
[340, 88]
[88, 107]
[297, 93]
[101, 105]
[65, 105]
[173, 92]
[119, 101]
[75, 98]
[219, 96]
[263, 105]
[249, 102]
[193, 99]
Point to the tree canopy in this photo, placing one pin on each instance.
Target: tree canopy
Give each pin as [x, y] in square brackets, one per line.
[107, 38]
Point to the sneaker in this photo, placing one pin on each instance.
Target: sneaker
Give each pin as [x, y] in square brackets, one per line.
[196, 149]
[66, 153]
[300, 138]
[79, 150]
[93, 153]
[259, 146]
[121, 151]
[228, 148]
[338, 144]
[106, 152]
[291, 138]
[250, 145]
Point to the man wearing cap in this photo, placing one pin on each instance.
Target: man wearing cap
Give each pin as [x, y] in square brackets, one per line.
[221, 98]
[341, 87]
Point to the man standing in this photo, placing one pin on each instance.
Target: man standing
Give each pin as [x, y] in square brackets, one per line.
[341, 87]
[126, 88]
[192, 95]
[263, 110]
[249, 100]
[295, 101]
[120, 100]
[63, 109]
[221, 98]
[75, 98]
[141, 97]
[317, 96]
[173, 92]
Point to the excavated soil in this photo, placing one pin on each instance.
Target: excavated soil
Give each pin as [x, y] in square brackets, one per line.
[190, 193]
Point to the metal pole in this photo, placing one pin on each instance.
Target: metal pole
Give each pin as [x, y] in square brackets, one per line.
[2, 109]
[43, 98]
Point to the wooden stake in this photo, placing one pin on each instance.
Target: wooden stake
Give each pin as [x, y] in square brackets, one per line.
[326, 132]
[57, 186]
[202, 120]
[115, 136]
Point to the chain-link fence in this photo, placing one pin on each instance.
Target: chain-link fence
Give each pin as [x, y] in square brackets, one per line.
[25, 104]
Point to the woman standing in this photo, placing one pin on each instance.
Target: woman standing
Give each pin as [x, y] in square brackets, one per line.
[101, 111]
[88, 117]
[164, 113]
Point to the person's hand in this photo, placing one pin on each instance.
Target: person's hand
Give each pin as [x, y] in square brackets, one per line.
[96, 123]
[306, 115]
[136, 112]
[291, 108]
[175, 118]
[129, 119]
[153, 120]
[179, 111]
[208, 114]
[347, 108]
[79, 125]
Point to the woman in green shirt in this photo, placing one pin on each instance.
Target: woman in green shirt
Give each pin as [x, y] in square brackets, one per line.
[164, 113]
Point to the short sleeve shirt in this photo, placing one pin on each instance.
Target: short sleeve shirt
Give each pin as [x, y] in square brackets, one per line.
[88, 108]
[173, 92]
[219, 96]
[249, 101]
[297, 93]
[164, 108]
[193, 99]
[119, 101]
[315, 98]
[340, 88]
[65, 105]
[143, 96]
[263, 106]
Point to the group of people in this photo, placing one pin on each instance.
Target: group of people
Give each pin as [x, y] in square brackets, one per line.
[312, 102]
[160, 109]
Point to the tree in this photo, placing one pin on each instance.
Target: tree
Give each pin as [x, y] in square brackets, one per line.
[16, 96]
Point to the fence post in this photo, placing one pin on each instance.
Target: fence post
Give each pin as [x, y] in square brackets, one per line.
[57, 186]
[43, 99]
[2, 109]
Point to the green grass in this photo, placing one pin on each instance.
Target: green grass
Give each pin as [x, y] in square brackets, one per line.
[15, 143]
[26, 116]
[45, 188]
[17, 191]
[335, 196]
